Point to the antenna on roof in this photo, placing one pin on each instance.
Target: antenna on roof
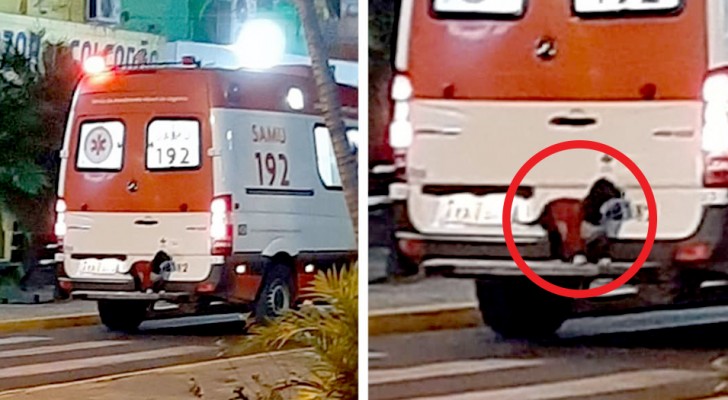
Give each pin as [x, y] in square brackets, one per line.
[186, 62]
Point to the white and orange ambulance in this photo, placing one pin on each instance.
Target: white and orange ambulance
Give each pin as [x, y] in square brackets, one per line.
[190, 187]
[482, 86]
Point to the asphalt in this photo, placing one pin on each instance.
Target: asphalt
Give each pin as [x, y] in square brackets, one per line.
[36, 358]
[645, 356]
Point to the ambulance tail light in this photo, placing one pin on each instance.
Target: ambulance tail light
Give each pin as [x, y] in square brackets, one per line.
[715, 130]
[401, 132]
[60, 226]
[221, 228]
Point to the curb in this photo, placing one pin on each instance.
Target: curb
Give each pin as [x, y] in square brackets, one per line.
[424, 318]
[60, 321]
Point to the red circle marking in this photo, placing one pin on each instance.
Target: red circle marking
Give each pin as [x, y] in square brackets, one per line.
[651, 228]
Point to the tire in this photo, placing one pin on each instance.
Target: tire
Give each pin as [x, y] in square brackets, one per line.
[521, 310]
[275, 296]
[122, 315]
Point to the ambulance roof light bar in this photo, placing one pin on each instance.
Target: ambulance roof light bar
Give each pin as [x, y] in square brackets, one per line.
[186, 62]
[96, 65]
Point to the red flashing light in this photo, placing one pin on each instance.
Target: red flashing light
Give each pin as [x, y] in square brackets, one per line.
[94, 65]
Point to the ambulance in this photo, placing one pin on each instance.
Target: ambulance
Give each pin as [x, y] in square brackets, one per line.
[482, 86]
[190, 190]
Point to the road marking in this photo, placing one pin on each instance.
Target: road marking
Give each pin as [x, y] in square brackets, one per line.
[22, 339]
[377, 355]
[445, 369]
[643, 322]
[172, 368]
[577, 388]
[186, 322]
[95, 362]
[60, 348]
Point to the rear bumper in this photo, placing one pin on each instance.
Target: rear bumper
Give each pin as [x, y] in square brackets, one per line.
[470, 256]
[111, 295]
[94, 285]
[473, 268]
[127, 289]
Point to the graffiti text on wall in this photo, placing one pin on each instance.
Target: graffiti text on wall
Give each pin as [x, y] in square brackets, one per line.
[29, 44]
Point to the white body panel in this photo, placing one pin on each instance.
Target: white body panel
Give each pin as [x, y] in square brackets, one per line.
[272, 217]
[183, 236]
[486, 142]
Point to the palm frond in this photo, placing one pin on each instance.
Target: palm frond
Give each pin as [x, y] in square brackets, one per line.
[331, 333]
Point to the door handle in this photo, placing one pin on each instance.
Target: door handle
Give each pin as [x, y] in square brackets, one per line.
[573, 121]
[146, 222]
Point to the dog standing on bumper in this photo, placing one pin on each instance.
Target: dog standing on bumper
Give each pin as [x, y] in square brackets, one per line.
[580, 230]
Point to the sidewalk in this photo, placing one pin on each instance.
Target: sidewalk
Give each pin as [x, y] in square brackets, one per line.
[217, 379]
[426, 305]
[427, 292]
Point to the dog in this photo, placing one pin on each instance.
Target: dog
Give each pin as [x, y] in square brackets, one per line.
[579, 230]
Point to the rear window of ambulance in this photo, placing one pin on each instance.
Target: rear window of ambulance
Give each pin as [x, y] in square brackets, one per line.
[626, 8]
[511, 9]
[101, 146]
[173, 144]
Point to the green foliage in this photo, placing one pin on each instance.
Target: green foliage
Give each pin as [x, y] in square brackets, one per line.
[381, 27]
[331, 332]
[34, 103]
[18, 170]
[381, 41]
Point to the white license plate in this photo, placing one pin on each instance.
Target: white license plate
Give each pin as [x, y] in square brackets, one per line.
[468, 209]
[640, 212]
[93, 266]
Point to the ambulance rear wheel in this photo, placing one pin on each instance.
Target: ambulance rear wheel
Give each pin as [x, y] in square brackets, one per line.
[122, 315]
[521, 310]
[275, 296]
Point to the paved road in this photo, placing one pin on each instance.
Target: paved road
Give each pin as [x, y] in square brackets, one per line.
[28, 311]
[37, 358]
[661, 355]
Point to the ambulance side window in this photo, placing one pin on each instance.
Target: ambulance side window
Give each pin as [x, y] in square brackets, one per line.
[101, 146]
[325, 158]
[173, 144]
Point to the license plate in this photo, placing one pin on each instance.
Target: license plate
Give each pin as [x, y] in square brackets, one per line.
[640, 212]
[468, 209]
[93, 266]
[176, 267]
